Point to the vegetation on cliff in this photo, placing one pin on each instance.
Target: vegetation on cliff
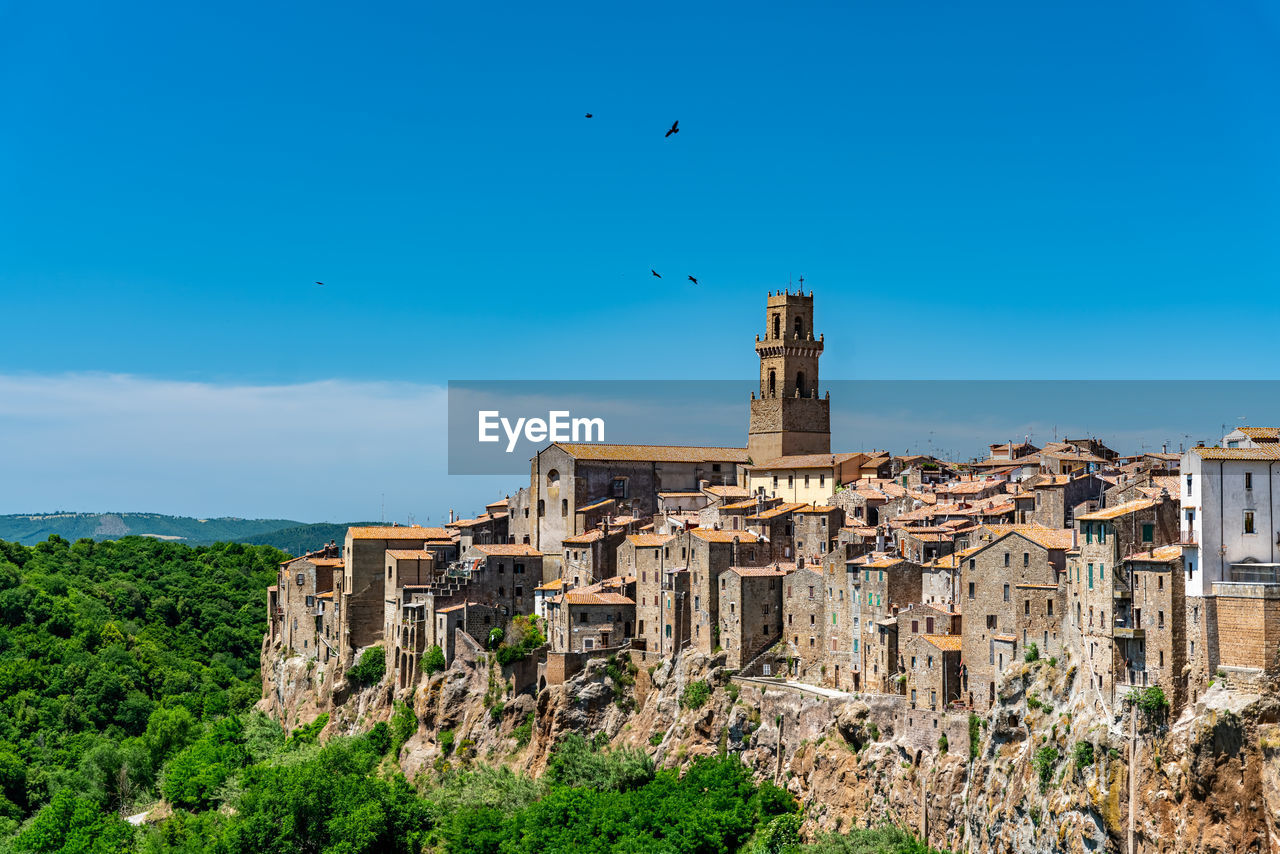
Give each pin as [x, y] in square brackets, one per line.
[116, 658]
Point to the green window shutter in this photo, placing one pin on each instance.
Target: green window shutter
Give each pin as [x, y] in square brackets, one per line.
[1090, 576]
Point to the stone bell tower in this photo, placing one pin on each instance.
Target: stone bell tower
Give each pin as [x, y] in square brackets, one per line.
[788, 417]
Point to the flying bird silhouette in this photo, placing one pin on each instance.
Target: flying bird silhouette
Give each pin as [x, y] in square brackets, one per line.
[674, 129]
[692, 279]
[655, 273]
[588, 115]
[319, 283]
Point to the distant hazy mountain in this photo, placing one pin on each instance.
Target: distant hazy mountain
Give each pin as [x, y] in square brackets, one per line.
[285, 534]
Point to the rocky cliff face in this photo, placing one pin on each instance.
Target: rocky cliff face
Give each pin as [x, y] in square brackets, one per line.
[1050, 771]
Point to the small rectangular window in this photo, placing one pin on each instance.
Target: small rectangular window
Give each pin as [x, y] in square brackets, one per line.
[1006, 593]
[970, 589]
[1248, 480]
[1148, 533]
[1248, 522]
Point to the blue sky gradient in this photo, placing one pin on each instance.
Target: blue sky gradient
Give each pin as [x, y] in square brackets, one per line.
[981, 190]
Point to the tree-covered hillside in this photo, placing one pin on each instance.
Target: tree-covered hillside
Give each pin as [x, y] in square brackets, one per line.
[127, 673]
[112, 655]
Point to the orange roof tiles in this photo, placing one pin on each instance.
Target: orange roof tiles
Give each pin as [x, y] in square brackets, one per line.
[508, 550]
[584, 539]
[711, 535]
[654, 453]
[1108, 513]
[946, 643]
[1049, 538]
[820, 508]
[780, 510]
[396, 532]
[577, 597]
[728, 491]
[409, 554]
[805, 461]
[1272, 433]
[649, 540]
[774, 571]
[1162, 554]
[1262, 452]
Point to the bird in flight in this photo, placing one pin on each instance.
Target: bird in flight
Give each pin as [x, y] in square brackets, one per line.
[655, 273]
[692, 279]
[674, 129]
[588, 115]
[319, 283]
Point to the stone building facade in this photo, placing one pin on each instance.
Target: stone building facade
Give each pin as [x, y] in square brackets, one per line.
[646, 557]
[750, 611]
[1009, 589]
[581, 621]
[711, 552]
[301, 583]
[1100, 593]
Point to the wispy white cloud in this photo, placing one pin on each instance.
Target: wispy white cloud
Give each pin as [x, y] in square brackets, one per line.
[316, 450]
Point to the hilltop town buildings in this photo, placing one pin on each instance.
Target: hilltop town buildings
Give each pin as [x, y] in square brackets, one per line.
[925, 580]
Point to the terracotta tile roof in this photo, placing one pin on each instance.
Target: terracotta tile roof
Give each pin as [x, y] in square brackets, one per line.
[773, 571]
[551, 585]
[501, 502]
[1036, 586]
[946, 643]
[804, 461]
[1161, 554]
[748, 504]
[1117, 511]
[821, 508]
[1262, 452]
[409, 554]
[875, 560]
[328, 594]
[711, 535]
[584, 539]
[508, 550]
[578, 597]
[397, 532]
[929, 537]
[1272, 433]
[1049, 538]
[680, 495]
[724, 491]
[654, 453]
[649, 540]
[1006, 638]
[322, 561]
[780, 510]
[482, 519]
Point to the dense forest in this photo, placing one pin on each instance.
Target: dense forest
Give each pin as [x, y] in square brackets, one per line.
[128, 672]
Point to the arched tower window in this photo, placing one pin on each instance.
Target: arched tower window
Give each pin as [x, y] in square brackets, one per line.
[777, 325]
[553, 478]
[799, 327]
[800, 382]
[773, 383]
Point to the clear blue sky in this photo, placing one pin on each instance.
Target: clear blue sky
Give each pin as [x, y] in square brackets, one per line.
[973, 190]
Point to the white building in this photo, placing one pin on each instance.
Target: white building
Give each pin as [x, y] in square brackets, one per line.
[1231, 511]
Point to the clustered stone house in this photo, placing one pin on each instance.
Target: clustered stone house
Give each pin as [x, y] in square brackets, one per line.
[860, 571]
